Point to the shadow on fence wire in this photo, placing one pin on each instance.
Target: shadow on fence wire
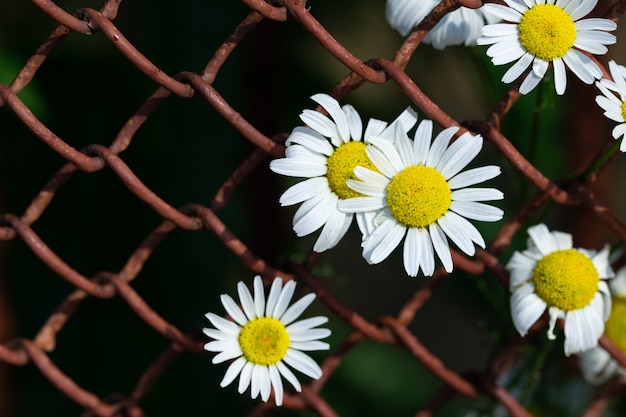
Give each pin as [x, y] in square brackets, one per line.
[140, 348]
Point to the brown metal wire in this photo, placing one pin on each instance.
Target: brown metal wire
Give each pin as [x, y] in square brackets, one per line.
[387, 330]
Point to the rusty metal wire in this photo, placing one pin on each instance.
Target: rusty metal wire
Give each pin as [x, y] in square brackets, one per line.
[578, 191]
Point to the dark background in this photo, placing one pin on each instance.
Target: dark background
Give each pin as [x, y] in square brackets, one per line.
[86, 91]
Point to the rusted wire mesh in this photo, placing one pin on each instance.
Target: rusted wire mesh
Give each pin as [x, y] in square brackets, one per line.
[575, 194]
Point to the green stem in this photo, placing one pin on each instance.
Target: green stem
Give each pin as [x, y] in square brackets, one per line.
[600, 161]
[535, 370]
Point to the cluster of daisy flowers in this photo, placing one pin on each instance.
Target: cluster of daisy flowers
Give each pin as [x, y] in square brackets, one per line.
[417, 190]
[534, 35]
[398, 188]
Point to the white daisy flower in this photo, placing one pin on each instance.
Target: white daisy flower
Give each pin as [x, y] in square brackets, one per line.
[541, 32]
[264, 338]
[460, 27]
[569, 282]
[596, 364]
[421, 193]
[613, 102]
[326, 153]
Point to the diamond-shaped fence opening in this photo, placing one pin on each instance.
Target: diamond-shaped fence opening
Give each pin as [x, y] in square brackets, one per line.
[135, 140]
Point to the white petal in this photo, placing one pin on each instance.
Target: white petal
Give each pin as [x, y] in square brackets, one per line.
[275, 291]
[226, 326]
[361, 204]
[477, 194]
[233, 309]
[530, 82]
[233, 370]
[231, 346]
[581, 10]
[601, 262]
[332, 107]
[306, 324]
[440, 244]
[302, 363]
[225, 355]
[402, 124]
[457, 231]
[421, 142]
[217, 334]
[303, 164]
[384, 156]
[526, 308]
[321, 124]
[259, 297]
[597, 365]
[477, 211]
[311, 140]
[542, 238]
[582, 66]
[521, 268]
[354, 122]
[245, 378]
[304, 190]
[266, 382]
[374, 128]
[593, 42]
[410, 251]
[283, 300]
[247, 302]
[313, 213]
[297, 309]
[583, 328]
[312, 345]
[459, 154]
[255, 381]
[289, 376]
[277, 384]
[473, 176]
[334, 229]
[507, 51]
[439, 146]
[383, 241]
[518, 68]
[508, 14]
[560, 77]
[310, 335]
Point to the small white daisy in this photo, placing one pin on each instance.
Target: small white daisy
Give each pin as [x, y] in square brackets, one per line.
[264, 337]
[569, 282]
[596, 364]
[613, 102]
[418, 191]
[326, 153]
[460, 27]
[541, 32]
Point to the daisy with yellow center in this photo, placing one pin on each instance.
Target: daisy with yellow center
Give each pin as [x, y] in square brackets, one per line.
[613, 100]
[419, 192]
[264, 338]
[596, 364]
[459, 27]
[540, 32]
[570, 283]
[325, 153]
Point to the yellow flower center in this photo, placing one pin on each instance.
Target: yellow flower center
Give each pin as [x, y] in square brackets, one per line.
[624, 110]
[615, 326]
[547, 31]
[566, 279]
[264, 341]
[341, 166]
[418, 195]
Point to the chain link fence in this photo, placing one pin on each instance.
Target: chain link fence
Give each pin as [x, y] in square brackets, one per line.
[113, 249]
